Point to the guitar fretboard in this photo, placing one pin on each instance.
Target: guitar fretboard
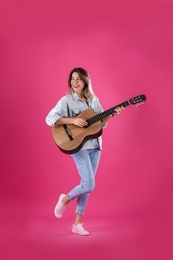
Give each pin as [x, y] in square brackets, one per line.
[106, 113]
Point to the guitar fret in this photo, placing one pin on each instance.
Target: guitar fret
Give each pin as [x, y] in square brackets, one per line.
[107, 113]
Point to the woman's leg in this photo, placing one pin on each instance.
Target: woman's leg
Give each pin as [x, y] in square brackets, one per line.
[85, 170]
[83, 164]
[87, 163]
[91, 162]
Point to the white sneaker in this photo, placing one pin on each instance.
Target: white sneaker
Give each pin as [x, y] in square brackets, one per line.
[78, 229]
[60, 207]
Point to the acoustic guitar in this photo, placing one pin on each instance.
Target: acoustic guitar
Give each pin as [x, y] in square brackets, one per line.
[71, 138]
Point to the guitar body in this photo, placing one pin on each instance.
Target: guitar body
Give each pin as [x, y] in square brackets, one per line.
[78, 134]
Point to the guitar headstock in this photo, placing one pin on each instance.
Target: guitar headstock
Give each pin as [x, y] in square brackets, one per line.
[138, 100]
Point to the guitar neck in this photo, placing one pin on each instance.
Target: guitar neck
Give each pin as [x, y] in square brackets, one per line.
[106, 113]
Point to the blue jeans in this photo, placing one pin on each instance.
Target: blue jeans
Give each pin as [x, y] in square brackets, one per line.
[87, 163]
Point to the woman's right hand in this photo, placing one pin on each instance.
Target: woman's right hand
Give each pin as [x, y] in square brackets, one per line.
[81, 122]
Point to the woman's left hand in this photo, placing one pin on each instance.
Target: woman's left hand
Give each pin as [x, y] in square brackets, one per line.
[118, 110]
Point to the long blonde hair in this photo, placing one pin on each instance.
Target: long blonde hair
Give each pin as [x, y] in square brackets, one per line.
[83, 74]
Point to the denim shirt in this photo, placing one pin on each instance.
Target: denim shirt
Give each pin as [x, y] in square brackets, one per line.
[71, 106]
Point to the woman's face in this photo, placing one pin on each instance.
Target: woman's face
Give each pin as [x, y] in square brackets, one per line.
[76, 83]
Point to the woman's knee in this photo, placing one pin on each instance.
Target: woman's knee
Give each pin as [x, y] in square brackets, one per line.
[89, 187]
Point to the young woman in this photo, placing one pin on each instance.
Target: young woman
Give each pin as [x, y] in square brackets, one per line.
[80, 98]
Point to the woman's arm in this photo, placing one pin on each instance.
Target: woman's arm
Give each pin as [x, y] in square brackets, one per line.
[81, 122]
[118, 111]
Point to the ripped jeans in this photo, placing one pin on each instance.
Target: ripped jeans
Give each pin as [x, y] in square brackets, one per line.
[87, 162]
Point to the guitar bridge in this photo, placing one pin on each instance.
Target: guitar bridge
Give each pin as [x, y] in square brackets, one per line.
[68, 132]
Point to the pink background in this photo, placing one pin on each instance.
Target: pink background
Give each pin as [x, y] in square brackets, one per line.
[128, 50]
